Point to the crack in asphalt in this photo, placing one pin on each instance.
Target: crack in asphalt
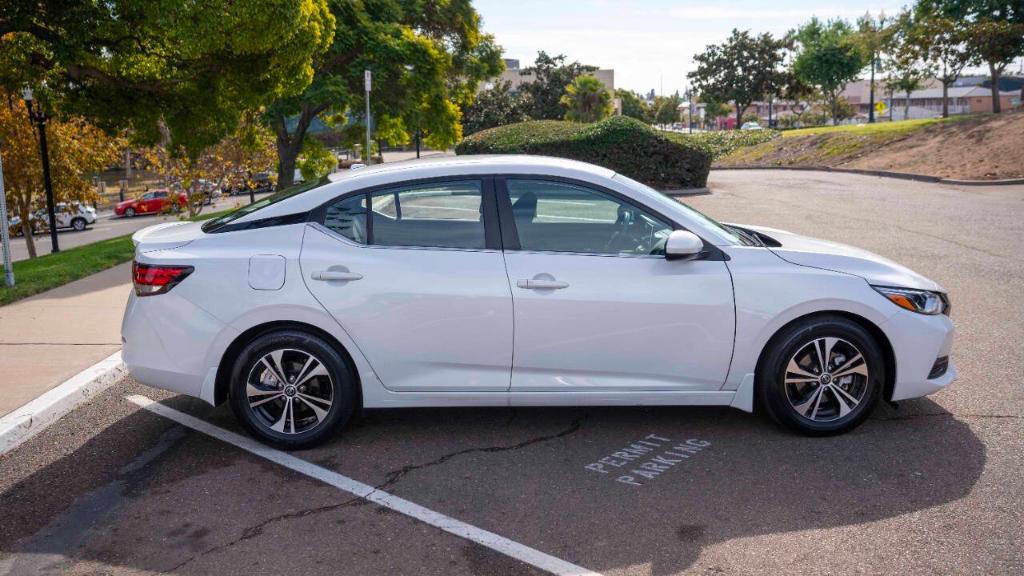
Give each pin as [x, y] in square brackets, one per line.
[395, 476]
[391, 478]
[255, 530]
[932, 414]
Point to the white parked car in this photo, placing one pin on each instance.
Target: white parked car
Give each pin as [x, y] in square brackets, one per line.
[522, 281]
[69, 215]
[751, 126]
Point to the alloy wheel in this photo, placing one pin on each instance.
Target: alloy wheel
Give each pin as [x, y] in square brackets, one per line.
[826, 379]
[289, 391]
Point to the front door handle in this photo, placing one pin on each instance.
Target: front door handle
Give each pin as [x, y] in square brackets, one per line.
[540, 284]
[335, 275]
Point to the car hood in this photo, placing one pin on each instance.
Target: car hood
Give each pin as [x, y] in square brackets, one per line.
[166, 236]
[826, 255]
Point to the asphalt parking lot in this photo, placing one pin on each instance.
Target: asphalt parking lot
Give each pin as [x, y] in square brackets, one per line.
[934, 486]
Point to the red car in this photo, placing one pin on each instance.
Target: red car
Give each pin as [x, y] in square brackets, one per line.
[152, 202]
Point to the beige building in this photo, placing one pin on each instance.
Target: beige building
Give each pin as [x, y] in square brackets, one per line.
[514, 75]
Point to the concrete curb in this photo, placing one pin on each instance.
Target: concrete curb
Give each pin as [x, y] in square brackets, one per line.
[881, 173]
[34, 417]
[687, 192]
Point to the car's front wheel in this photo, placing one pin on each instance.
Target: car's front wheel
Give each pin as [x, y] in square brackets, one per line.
[292, 389]
[78, 224]
[822, 376]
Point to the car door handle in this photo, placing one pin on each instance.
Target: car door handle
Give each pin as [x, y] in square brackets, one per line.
[337, 275]
[536, 284]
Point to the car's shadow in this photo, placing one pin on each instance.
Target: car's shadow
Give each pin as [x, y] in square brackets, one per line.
[521, 473]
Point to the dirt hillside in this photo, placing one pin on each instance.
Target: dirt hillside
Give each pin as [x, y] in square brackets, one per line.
[980, 148]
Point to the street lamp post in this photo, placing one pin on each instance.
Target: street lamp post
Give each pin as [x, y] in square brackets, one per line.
[37, 116]
[5, 233]
[367, 82]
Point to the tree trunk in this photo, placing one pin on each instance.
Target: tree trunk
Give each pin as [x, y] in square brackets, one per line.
[26, 230]
[289, 145]
[906, 107]
[945, 99]
[996, 73]
[739, 116]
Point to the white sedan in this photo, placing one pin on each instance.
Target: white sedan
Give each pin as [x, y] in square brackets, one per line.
[519, 281]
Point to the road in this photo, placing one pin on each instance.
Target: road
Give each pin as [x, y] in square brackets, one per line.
[110, 226]
[931, 487]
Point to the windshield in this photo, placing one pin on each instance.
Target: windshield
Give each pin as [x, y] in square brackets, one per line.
[695, 214]
[288, 192]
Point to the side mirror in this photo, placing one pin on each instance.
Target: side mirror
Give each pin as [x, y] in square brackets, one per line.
[683, 245]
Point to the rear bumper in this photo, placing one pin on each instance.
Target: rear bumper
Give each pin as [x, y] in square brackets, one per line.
[918, 341]
[169, 343]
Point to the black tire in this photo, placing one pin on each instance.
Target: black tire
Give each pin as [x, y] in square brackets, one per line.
[129, 213]
[79, 224]
[778, 397]
[257, 420]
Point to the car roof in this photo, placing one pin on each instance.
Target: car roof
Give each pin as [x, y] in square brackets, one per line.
[415, 169]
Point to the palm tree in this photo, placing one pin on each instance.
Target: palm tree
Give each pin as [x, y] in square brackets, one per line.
[586, 100]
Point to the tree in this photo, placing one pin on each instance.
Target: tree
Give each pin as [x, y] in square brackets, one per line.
[907, 71]
[550, 77]
[943, 43]
[666, 109]
[427, 59]
[742, 69]
[183, 70]
[586, 99]
[827, 58]
[77, 150]
[995, 33]
[633, 105]
[316, 160]
[495, 106]
[713, 110]
[870, 37]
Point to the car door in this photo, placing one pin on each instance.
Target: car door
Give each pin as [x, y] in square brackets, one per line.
[597, 305]
[419, 285]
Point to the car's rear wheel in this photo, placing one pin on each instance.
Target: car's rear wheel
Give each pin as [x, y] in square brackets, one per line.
[292, 389]
[129, 212]
[78, 224]
[822, 376]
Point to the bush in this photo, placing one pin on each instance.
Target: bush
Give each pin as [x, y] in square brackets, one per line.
[622, 144]
[723, 142]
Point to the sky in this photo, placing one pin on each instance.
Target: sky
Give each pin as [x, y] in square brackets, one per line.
[649, 43]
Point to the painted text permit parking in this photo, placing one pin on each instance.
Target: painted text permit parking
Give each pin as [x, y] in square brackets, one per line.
[646, 459]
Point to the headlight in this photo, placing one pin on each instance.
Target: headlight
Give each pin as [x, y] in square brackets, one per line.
[920, 301]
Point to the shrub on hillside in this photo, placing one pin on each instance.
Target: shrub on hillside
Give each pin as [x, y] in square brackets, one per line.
[622, 144]
[723, 142]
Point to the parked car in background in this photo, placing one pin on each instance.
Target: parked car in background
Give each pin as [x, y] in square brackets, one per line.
[260, 183]
[519, 281]
[152, 202]
[751, 126]
[210, 191]
[74, 215]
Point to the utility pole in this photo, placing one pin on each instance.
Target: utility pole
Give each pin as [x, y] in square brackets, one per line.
[5, 233]
[38, 117]
[367, 81]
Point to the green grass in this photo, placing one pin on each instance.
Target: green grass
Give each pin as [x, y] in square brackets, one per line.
[54, 270]
[880, 128]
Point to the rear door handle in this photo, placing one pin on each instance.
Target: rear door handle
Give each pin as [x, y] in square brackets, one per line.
[536, 284]
[337, 275]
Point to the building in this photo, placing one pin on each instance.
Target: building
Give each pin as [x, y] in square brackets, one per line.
[515, 76]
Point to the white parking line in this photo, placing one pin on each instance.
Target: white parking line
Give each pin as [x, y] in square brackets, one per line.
[491, 540]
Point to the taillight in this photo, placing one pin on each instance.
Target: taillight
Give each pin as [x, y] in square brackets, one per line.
[150, 279]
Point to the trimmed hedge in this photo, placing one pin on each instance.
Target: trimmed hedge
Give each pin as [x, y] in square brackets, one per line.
[722, 142]
[622, 144]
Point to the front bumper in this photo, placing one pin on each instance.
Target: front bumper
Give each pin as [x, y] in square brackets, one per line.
[918, 341]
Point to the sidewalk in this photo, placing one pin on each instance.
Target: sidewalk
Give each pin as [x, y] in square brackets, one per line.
[46, 339]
